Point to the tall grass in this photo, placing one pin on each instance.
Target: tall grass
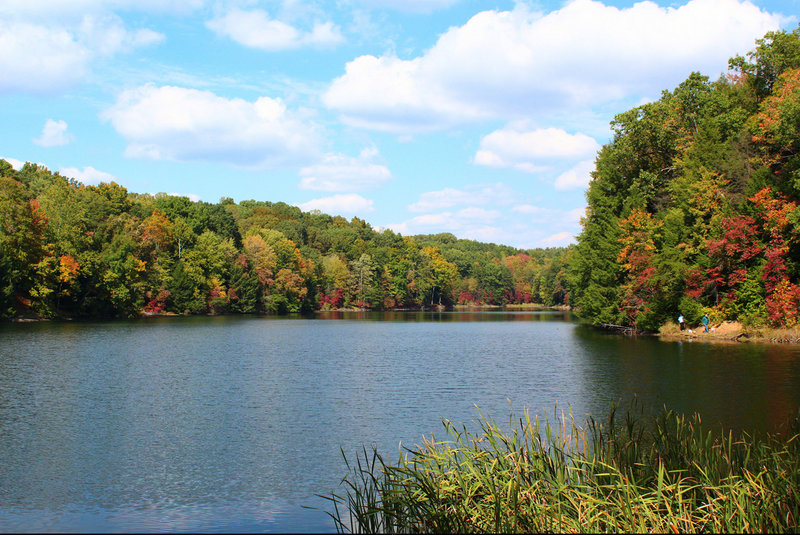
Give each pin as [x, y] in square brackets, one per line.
[629, 473]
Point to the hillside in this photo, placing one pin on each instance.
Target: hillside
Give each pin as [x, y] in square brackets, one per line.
[693, 206]
[71, 250]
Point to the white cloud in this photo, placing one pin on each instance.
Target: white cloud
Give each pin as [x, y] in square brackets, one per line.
[560, 239]
[337, 172]
[523, 226]
[349, 204]
[540, 215]
[54, 134]
[414, 6]
[537, 214]
[576, 215]
[437, 200]
[393, 95]
[76, 8]
[47, 58]
[474, 212]
[39, 59]
[469, 223]
[577, 177]
[511, 64]
[106, 35]
[495, 213]
[256, 29]
[88, 175]
[531, 209]
[180, 124]
[444, 220]
[532, 150]
[15, 164]
[471, 195]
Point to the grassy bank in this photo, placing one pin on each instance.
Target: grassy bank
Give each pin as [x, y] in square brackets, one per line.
[631, 474]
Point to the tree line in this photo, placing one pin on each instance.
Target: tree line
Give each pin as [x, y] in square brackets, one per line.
[693, 206]
[74, 250]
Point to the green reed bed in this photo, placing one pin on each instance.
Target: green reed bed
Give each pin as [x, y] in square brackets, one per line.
[631, 473]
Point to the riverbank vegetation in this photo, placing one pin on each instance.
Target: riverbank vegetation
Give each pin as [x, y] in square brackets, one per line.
[693, 206]
[71, 250]
[628, 473]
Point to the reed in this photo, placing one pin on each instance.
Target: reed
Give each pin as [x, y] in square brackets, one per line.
[628, 473]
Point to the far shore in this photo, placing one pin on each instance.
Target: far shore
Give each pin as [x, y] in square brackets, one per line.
[513, 306]
[428, 308]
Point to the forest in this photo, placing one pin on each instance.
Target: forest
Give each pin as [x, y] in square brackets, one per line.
[693, 205]
[692, 209]
[69, 250]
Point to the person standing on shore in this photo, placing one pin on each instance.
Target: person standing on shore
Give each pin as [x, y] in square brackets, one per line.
[705, 323]
[680, 320]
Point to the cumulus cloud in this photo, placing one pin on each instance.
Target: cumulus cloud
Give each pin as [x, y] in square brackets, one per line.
[482, 194]
[39, 59]
[532, 150]
[88, 175]
[256, 29]
[521, 226]
[509, 64]
[577, 177]
[180, 124]
[54, 134]
[475, 212]
[470, 223]
[338, 172]
[345, 204]
[393, 95]
[45, 58]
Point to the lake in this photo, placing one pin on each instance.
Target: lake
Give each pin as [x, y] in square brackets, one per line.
[236, 423]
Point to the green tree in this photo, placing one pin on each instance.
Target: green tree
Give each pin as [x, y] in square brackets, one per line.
[22, 248]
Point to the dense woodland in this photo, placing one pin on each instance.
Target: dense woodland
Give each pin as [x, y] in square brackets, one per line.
[70, 250]
[692, 209]
[693, 206]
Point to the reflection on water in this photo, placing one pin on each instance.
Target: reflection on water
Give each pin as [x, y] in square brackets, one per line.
[743, 386]
[236, 423]
[458, 316]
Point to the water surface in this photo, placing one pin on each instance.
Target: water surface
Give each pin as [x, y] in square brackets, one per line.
[236, 423]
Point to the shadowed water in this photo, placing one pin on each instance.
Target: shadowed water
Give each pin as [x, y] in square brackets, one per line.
[236, 423]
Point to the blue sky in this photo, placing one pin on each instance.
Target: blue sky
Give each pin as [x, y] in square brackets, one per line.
[424, 116]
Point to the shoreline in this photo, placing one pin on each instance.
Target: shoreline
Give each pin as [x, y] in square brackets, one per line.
[435, 308]
[726, 332]
[732, 332]
[741, 338]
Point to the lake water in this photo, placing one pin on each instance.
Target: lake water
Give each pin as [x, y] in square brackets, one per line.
[236, 423]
